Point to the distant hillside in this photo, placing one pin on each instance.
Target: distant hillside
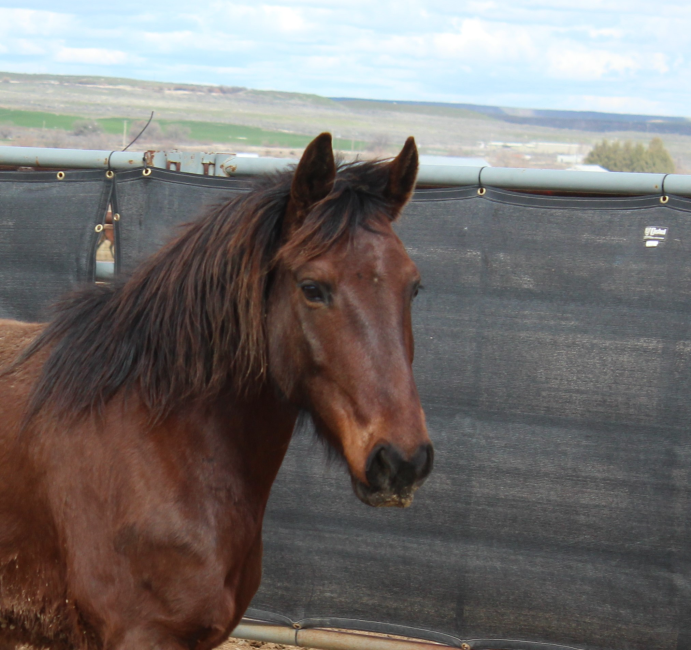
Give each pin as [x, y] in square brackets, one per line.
[591, 121]
[162, 96]
[74, 111]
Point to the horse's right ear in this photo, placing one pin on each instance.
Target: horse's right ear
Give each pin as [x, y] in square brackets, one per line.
[402, 175]
[314, 177]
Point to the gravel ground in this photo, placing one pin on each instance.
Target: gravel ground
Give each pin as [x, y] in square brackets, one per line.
[242, 644]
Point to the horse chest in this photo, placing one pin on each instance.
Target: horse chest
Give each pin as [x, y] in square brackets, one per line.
[140, 534]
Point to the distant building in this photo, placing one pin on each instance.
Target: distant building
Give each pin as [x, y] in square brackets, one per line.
[454, 161]
[572, 159]
[540, 147]
[587, 168]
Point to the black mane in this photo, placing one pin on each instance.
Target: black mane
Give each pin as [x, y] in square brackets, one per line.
[190, 319]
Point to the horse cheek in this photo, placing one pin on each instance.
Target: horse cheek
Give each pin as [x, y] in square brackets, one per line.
[286, 350]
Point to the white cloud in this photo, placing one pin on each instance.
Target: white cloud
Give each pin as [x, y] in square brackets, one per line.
[285, 19]
[257, 19]
[481, 6]
[91, 56]
[480, 40]
[31, 22]
[27, 47]
[584, 64]
[511, 52]
[658, 62]
[606, 32]
[172, 42]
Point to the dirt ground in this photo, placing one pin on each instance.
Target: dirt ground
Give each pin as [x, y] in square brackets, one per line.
[234, 644]
[243, 644]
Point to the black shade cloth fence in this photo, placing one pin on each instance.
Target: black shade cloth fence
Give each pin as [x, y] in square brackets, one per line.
[47, 237]
[553, 357]
[152, 207]
[553, 360]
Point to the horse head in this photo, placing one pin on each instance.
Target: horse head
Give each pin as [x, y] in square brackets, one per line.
[340, 336]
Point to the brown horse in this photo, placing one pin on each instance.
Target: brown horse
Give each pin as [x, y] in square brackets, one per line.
[141, 429]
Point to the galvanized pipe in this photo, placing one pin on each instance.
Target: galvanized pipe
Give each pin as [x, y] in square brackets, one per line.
[266, 633]
[509, 178]
[241, 166]
[327, 639]
[569, 181]
[332, 640]
[70, 158]
[233, 165]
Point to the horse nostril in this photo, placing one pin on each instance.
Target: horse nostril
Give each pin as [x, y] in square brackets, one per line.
[387, 469]
[382, 467]
[422, 461]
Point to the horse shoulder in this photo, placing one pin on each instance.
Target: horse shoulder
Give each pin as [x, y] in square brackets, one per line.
[32, 578]
[156, 517]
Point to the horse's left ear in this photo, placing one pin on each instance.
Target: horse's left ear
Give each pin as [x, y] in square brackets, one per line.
[314, 177]
[402, 174]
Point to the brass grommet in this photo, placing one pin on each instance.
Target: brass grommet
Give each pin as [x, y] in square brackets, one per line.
[99, 227]
[297, 626]
[110, 173]
[146, 172]
[116, 217]
[664, 199]
[465, 646]
[481, 191]
[61, 175]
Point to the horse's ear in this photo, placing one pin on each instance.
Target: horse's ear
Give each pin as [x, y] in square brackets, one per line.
[314, 176]
[403, 172]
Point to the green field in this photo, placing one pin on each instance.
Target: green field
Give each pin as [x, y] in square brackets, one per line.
[38, 120]
[195, 131]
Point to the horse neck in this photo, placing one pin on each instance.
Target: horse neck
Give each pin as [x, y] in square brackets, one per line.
[239, 442]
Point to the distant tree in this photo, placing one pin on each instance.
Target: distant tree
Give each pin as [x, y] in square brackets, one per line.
[630, 157]
[153, 133]
[86, 127]
[176, 133]
[659, 158]
[230, 90]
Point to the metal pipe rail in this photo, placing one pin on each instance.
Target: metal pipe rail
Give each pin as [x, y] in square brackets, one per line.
[236, 165]
[320, 639]
[70, 158]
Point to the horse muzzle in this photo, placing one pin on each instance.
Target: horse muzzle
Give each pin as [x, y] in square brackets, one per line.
[391, 478]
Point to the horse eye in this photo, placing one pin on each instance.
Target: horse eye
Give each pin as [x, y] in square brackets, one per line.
[416, 290]
[313, 292]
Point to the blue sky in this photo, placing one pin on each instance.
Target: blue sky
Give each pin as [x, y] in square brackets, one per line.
[620, 56]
